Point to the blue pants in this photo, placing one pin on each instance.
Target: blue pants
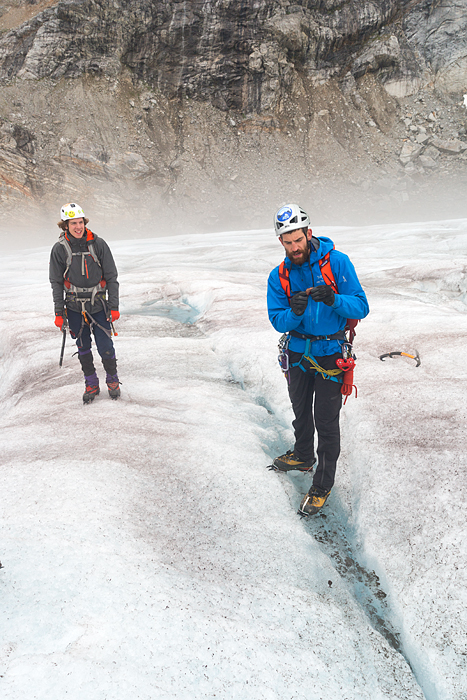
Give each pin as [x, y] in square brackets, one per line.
[104, 344]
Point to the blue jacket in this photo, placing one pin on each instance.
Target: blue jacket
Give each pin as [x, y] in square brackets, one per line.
[318, 319]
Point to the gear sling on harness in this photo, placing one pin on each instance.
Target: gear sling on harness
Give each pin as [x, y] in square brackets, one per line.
[307, 362]
[84, 294]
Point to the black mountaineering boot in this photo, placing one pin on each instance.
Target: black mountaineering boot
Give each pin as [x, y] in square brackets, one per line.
[92, 388]
[113, 385]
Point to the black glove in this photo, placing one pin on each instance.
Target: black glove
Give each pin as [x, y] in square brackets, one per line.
[298, 303]
[323, 293]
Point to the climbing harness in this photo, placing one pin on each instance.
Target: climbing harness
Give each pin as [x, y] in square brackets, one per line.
[74, 293]
[415, 357]
[87, 319]
[308, 363]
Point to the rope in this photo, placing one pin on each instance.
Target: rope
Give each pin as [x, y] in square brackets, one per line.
[325, 373]
[331, 374]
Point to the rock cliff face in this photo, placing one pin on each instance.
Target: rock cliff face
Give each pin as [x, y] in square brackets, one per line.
[223, 109]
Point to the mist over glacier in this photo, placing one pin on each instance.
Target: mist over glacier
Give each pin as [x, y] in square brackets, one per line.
[147, 551]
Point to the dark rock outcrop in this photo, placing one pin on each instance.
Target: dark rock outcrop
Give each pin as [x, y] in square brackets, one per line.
[115, 97]
[231, 52]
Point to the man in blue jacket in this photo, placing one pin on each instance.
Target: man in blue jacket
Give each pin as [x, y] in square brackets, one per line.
[314, 316]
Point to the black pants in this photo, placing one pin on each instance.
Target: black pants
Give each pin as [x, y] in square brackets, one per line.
[316, 402]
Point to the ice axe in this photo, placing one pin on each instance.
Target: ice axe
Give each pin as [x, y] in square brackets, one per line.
[415, 357]
[64, 327]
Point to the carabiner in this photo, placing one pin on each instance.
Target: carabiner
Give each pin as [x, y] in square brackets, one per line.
[283, 357]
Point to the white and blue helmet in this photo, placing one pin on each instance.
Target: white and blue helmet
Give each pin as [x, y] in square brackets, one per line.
[289, 218]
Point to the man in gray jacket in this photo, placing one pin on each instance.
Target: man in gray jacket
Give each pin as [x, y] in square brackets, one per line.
[84, 283]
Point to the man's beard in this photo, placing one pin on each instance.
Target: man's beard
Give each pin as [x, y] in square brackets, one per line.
[299, 260]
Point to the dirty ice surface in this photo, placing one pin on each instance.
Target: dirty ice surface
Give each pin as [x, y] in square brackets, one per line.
[149, 554]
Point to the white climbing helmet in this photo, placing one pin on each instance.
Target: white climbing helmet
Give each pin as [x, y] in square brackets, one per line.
[71, 211]
[289, 218]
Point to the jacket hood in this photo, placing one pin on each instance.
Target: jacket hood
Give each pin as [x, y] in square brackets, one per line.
[325, 245]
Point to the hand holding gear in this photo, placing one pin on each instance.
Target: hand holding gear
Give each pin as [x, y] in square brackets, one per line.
[59, 321]
[324, 293]
[298, 303]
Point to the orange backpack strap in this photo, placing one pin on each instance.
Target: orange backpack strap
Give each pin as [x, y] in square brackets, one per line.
[328, 277]
[325, 267]
[284, 279]
[326, 271]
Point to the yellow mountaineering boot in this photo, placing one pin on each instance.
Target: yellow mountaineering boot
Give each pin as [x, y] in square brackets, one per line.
[290, 462]
[313, 501]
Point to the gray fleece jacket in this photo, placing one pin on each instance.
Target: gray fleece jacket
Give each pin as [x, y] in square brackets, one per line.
[83, 272]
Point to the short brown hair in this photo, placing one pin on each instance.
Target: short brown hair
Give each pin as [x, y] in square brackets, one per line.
[63, 224]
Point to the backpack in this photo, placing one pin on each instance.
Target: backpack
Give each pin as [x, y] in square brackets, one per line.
[328, 276]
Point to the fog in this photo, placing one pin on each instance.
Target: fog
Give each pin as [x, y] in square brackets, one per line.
[148, 213]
